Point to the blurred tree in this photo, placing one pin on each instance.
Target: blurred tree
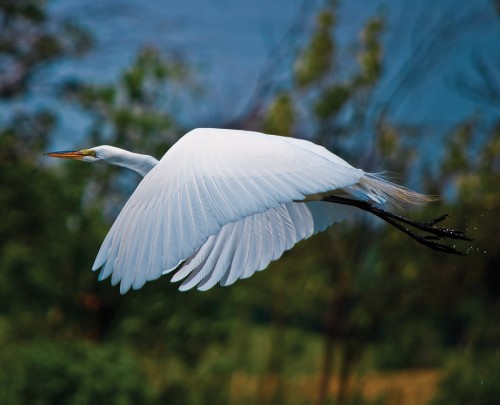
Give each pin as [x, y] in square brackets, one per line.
[280, 116]
[316, 59]
[320, 91]
[360, 304]
[32, 258]
[483, 83]
[41, 206]
[30, 40]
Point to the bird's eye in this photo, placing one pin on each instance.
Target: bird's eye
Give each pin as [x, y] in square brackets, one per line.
[89, 152]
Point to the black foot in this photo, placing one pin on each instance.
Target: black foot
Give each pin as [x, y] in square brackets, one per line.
[435, 233]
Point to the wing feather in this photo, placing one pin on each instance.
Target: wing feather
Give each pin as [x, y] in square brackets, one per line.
[222, 269]
[138, 256]
[197, 259]
[195, 277]
[124, 272]
[248, 245]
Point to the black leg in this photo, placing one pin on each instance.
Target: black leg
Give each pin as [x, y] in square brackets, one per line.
[436, 233]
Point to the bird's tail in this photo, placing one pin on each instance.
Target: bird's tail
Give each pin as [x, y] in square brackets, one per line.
[378, 190]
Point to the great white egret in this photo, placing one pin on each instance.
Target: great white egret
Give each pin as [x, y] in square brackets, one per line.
[222, 204]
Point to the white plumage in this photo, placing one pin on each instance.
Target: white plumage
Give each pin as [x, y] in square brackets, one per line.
[222, 204]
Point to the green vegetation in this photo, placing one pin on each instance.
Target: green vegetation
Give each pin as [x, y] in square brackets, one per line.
[357, 298]
[77, 373]
[471, 380]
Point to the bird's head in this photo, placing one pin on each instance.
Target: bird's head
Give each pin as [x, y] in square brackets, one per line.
[110, 155]
[98, 154]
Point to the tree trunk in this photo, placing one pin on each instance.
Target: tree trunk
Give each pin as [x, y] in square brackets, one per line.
[347, 360]
[331, 318]
[270, 390]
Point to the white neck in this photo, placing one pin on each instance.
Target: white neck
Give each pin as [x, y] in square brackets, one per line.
[141, 164]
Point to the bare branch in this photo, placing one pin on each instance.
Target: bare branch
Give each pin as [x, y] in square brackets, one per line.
[484, 85]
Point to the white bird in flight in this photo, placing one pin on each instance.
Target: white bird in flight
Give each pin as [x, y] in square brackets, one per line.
[222, 204]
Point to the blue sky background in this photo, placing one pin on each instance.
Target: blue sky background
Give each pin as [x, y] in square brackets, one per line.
[230, 43]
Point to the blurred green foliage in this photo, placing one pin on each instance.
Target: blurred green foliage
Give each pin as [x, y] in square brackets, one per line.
[316, 59]
[280, 117]
[30, 40]
[139, 107]
[471, 380]
[352, 299]
[71, 373]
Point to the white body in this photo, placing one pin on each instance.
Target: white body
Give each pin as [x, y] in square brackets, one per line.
[226, 203]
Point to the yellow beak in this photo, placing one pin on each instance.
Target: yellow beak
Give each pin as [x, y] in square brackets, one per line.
[74, 154]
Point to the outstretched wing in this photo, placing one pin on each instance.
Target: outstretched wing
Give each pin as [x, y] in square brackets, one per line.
[208, 179]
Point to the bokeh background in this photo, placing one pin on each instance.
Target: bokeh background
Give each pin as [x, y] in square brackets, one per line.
[357, 315]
